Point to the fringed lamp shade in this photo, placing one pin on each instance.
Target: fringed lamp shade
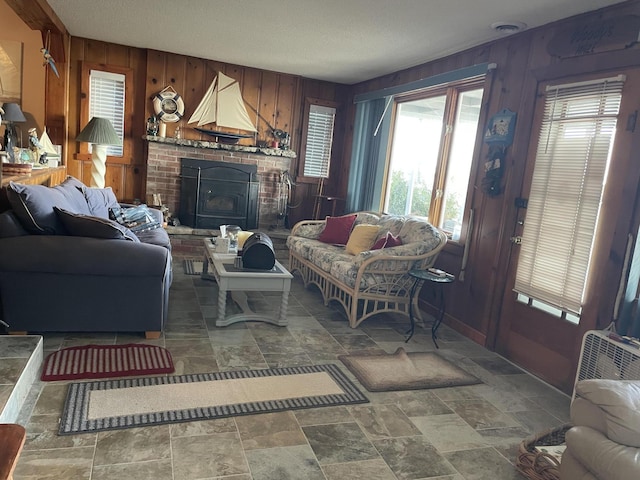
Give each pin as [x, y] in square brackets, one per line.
[100, 133]
[12, 114]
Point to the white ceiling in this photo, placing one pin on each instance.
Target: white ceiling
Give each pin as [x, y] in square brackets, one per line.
[344, 41]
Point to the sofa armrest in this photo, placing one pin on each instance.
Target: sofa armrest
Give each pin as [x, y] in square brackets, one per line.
[68, 255]
[600, 456]
[308, 228]
[615, 406]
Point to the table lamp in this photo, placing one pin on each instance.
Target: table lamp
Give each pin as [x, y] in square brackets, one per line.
[100, 133]
[12, 114]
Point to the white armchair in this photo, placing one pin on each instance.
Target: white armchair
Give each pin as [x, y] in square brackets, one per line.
[604, 442]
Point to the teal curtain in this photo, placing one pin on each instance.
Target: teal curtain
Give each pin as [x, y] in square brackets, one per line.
[368, 155]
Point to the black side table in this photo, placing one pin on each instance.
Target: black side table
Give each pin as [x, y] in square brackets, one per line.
[439, 279]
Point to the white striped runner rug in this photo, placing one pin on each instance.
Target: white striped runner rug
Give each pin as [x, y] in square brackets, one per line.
[103, 361]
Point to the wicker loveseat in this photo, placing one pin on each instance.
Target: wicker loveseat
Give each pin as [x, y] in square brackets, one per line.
[370, 282]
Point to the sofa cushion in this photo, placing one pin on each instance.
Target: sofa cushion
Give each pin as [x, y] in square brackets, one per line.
[337, 229]
[361, 238]
[33, 204]
[100, 200]
[80, 225]
[157, 236]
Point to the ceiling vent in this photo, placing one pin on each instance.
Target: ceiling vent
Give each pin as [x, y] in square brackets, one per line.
[507, 28]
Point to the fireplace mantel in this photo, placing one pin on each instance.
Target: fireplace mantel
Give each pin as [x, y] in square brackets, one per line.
[183, 142]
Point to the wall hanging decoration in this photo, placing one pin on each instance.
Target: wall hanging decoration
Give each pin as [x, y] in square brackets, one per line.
[498, 135]
[48, 59]
[168, 105]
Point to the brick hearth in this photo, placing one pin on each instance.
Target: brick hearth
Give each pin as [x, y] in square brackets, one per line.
[163, 170]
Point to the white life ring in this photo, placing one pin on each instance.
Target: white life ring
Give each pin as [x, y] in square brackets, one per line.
[168, 105]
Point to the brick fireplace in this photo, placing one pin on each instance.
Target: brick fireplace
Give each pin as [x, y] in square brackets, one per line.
[163, 170]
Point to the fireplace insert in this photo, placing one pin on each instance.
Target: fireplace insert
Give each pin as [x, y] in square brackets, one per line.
[217, 193]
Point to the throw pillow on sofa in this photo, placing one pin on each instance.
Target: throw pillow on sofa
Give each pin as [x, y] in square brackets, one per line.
[361, 238]
[100, 200]
[388, 241]
[337, 229]
[33, 204]
[80, 225]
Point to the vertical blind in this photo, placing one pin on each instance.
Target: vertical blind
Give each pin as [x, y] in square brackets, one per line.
[106, 100]
[576, 139]
[319, 140]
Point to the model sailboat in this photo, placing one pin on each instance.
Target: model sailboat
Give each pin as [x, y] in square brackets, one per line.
[223, 105]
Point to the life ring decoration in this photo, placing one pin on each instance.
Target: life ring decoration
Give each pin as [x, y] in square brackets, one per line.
[168, 105]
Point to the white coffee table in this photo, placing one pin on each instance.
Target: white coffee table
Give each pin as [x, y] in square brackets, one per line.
[238, 281]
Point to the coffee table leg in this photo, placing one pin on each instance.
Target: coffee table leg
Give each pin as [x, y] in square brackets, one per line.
[222, 304]
[284, 304]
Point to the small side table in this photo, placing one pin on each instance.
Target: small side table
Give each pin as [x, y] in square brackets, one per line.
[439, 280]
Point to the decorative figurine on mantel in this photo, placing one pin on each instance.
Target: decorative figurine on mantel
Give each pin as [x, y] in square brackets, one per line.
[38, 154]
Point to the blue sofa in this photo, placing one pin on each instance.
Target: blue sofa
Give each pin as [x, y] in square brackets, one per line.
[65, 266]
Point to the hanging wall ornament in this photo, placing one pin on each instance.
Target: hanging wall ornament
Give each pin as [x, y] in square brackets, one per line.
[48, 59]
[498, 135]
[168, 105]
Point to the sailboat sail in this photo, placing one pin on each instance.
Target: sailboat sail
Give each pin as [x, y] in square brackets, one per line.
[223, 105]
[47, 145]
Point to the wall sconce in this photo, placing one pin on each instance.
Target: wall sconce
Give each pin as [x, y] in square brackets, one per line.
[12, 114]
[100, 133]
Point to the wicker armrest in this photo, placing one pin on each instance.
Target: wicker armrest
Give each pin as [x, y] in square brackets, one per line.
[308, 228]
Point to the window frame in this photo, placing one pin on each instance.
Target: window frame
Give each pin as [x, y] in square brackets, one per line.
[309, 101]
[451, 91]
[127, 148]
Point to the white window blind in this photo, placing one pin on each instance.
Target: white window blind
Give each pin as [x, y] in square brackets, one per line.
[574, 148]
[319, 140]
[106, 100]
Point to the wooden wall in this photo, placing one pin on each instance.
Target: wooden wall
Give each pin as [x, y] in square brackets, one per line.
[278, 98]
[475, 310]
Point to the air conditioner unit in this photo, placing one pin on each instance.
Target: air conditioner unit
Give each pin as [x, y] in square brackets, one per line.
[602, 356]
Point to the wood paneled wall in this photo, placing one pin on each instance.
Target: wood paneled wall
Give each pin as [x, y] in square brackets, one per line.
[476, 309]
[278, 98]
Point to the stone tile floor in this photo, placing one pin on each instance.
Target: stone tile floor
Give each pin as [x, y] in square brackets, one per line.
[470, 432]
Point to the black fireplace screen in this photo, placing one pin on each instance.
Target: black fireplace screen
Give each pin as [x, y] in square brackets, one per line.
[218, 193]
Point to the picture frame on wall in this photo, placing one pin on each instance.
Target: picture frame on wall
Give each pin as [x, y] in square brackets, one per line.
[10, 71]
[500, 128]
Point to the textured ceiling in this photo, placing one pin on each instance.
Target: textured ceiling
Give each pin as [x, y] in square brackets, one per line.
[344, 41]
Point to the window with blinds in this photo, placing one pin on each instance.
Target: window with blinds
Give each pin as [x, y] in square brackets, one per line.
[319, 139]
[576, 140]
[106, 100]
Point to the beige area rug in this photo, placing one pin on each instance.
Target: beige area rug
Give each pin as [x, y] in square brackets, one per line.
[406, 371]
[125, 403]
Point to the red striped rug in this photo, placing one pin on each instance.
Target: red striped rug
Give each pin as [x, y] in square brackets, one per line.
[103, 361]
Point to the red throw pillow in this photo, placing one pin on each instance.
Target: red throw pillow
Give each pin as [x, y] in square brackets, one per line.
[380, 243]
[337, 229]
[392, 241]
[387, 241]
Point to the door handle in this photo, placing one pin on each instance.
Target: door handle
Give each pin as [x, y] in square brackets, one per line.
[516, 239]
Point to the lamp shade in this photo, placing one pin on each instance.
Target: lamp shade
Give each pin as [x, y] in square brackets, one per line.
[99, 131]
[13, 113]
